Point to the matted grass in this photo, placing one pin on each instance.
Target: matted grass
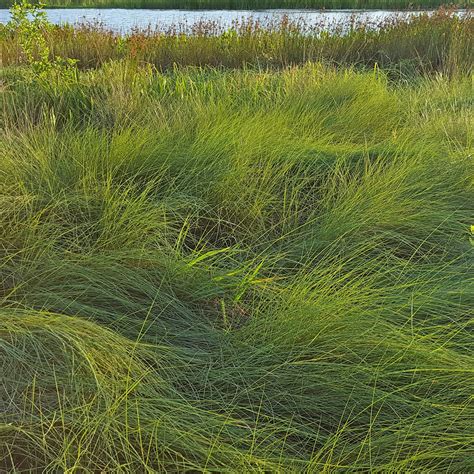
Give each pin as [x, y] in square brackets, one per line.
[210, 270]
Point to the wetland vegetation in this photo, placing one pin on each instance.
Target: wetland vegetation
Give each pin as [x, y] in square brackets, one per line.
[244, 251]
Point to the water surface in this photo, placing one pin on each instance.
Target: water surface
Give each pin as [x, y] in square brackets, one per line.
[124, 20]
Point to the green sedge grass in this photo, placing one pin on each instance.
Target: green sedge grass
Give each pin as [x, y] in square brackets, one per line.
[217, 270]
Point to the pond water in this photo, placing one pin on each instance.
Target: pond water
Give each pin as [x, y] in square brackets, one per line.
[124, 20]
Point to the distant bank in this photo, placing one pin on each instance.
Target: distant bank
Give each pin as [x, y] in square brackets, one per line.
[251, 4]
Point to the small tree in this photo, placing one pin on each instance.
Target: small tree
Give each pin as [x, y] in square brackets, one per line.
[30, 23]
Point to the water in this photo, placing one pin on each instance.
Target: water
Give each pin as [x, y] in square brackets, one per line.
[123, 20]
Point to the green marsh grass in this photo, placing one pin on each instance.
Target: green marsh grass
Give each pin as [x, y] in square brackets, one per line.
[257, 271]
[236, 270]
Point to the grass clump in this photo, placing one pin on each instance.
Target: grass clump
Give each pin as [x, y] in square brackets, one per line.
[236, 270]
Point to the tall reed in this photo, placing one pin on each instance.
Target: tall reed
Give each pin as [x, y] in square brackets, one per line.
[442, 42]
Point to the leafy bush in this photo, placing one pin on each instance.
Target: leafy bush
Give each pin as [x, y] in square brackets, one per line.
[30, 24]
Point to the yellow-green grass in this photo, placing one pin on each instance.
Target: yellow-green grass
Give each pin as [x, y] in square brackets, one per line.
[211, 270]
